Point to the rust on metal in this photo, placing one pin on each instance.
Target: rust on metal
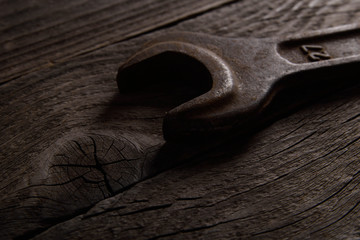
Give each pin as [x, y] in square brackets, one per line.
[245, 74]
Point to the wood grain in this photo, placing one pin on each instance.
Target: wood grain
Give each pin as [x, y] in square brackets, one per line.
[296, 179]
[70, 141]
[38, 34]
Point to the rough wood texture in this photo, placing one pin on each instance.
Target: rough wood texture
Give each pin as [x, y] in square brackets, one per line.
[298, 183]
[71, 148]
[37, 34]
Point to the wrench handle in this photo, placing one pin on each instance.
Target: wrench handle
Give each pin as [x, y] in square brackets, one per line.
[326, 48]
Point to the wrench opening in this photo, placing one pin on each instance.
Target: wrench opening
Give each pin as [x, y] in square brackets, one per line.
[209, 74]
[171, 73]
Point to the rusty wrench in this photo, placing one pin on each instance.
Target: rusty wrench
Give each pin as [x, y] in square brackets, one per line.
[246, 74]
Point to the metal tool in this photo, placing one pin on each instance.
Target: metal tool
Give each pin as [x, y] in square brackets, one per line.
[246, 74]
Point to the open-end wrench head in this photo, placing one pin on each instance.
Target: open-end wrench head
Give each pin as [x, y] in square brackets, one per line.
[245, 73]
[241, 72]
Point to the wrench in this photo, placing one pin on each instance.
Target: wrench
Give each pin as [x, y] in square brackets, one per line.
[246, 74]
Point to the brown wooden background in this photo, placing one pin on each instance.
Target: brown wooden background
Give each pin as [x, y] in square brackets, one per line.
[74, 155]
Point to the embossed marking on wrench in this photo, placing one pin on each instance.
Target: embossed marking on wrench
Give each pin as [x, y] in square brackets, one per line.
[246, 73]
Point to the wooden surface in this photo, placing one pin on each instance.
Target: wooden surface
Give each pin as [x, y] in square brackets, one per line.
[79, 160]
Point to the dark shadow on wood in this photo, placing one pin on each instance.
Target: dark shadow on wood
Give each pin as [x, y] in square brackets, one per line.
[287, 102]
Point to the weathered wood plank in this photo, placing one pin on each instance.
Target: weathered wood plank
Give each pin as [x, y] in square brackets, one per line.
[37, 34]
[296, 178]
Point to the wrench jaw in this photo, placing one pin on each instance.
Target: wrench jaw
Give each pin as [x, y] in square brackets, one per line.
[228, 104]
[196, 115]
[235, 113]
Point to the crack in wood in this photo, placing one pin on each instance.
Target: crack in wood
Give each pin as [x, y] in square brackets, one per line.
[100, 168]
[193, 229]
[338, 220]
